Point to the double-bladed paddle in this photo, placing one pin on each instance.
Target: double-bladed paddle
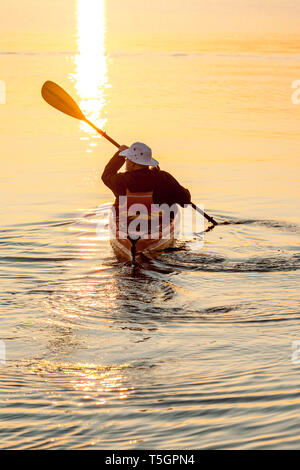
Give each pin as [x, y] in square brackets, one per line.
[57, 97]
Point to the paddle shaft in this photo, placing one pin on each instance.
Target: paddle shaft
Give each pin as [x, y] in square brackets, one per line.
[102, 133]
[210, 219]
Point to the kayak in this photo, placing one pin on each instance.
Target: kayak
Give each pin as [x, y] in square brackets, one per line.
[130, 246]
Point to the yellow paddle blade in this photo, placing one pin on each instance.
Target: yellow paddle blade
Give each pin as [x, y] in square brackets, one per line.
[57, 97]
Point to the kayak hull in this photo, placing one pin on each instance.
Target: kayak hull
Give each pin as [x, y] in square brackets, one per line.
[130, 250]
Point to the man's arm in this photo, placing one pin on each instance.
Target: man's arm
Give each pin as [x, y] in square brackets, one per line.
[110, 175]
[172, 192]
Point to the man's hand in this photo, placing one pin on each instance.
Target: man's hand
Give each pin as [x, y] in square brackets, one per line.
[123, 147]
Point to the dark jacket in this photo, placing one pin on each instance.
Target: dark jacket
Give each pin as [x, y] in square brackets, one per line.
[165, 188]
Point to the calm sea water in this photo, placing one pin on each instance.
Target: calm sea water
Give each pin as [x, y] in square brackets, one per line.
[193, 349]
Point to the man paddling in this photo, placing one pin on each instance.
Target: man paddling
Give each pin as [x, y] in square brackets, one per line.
[140, 178]
[57, 97]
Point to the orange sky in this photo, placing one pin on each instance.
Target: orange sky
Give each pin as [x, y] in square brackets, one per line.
[167, 16]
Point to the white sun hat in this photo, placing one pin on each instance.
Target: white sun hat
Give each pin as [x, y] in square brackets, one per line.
[139, 153]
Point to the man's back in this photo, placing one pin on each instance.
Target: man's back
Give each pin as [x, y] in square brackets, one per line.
[165, 187]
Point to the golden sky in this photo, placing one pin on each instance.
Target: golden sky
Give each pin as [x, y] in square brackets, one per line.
[163, 16]
[206, 15]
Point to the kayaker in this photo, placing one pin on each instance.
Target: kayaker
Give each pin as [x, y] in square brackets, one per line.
[139, 177]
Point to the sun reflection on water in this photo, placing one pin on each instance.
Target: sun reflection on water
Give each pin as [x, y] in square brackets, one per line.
[91, 68]
[93, 382]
